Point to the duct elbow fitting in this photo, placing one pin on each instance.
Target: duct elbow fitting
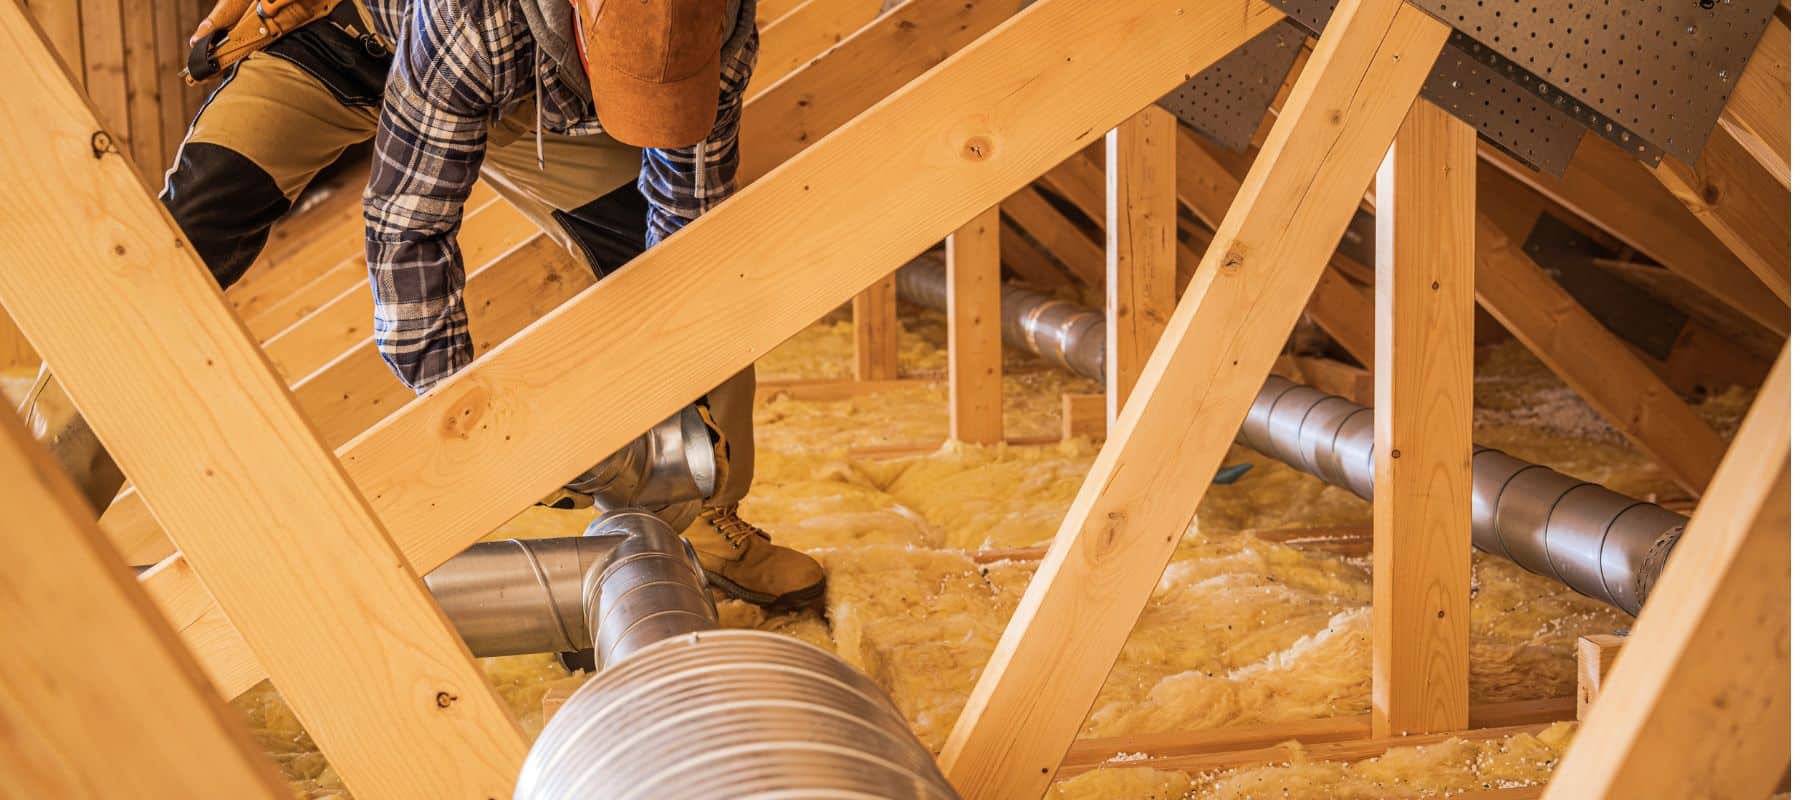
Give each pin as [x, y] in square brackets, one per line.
[651, 587]
[667, 471]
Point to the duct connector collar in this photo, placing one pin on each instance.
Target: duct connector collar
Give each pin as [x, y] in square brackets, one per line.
[668, 471]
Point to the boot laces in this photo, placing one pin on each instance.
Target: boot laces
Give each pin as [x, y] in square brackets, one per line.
[726, 521]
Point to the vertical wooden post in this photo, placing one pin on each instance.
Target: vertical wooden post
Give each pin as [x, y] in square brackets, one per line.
[1697, 704]
[79, 724]
[875, 317]
[1594, 657]
[972, 284]
[1140, 247]
[141, 338]
[1424, 400]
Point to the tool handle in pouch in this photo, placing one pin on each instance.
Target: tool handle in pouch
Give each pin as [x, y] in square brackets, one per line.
[262, 23]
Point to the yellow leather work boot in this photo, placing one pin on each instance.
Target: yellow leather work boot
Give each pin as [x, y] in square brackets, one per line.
[54, 421]
[740, 561]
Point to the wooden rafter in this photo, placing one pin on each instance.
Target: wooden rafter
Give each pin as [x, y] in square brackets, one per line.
[1697, 704]
[140, 336]
[1605, 186]
[802, 34]
[682, 302]
[1225, 335]
[1739, 189]
[1424, 413]
[1592, 361]
[79, 726]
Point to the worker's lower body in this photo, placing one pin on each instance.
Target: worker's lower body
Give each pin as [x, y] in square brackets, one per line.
[281, 116]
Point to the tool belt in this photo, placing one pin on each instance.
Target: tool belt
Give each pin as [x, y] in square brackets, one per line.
[261, 23]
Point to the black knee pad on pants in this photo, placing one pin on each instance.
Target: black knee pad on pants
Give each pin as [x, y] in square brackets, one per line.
[610, 229]
[225, 204]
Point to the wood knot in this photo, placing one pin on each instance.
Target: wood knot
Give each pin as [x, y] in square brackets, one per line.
[1234, 259]
[466, 413]
[978, 148]
[1709, 194]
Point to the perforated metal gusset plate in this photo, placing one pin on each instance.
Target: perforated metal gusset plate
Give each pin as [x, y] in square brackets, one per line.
[1476, 90]
[1662, 69]
[1507, 114]
[1227, 100]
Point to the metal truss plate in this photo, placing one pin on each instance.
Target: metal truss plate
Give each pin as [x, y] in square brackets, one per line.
[1511, 117]
[1477, 90]
[1660, 69]
[1227, 101]
[1632, 314]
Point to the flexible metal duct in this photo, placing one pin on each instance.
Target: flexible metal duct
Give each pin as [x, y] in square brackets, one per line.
[730, 713]
[682, 709]
[1597, 541]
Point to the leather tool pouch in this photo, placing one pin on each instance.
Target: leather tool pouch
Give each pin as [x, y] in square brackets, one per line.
[266, 22]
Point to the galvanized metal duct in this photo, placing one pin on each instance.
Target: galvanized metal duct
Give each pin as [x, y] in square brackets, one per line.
[730, 713]
[1597, 541]
[1064, 333]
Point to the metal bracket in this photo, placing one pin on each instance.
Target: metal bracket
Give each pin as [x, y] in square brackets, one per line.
[1226, 102]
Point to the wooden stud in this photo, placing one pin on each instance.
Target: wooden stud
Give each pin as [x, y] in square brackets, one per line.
[143, 90]
[103, 68]
[870, 217]
[771, 10]
[141, 339]
[1606, 187]
[882, 57]
[972, 277]
[1698, 703]
[1140, 247]
[875, 316]
[171, 56]
[802, 34]
[1225, 334]
[1424, 406]
[1594, 657]
[1592, 361]
[80, 725]
[1084, 414]
[1335, 377]
[60, 20]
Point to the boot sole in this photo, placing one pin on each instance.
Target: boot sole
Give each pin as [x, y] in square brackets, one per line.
[791, 601]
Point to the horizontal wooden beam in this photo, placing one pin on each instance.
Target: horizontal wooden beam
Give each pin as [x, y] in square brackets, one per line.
[518, 422]
[1089, 754]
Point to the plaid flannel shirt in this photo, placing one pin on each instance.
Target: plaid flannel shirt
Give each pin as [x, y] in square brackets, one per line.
[459, 65]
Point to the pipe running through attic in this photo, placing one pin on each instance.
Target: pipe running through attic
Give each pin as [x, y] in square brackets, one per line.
[1597, 541]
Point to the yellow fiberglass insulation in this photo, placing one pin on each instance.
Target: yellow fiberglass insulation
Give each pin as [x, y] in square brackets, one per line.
[1240, 629]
